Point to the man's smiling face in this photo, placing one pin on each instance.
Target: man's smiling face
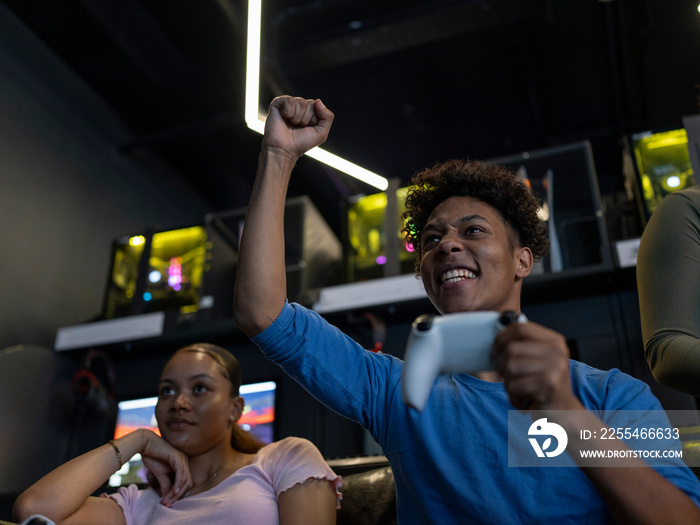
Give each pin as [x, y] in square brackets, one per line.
[470, 259]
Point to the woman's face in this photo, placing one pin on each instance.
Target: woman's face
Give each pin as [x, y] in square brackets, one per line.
[195, 410]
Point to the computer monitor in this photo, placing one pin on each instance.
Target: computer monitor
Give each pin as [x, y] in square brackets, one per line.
[258, 418]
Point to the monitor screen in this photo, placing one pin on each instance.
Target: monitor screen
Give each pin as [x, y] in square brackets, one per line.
[258, 418]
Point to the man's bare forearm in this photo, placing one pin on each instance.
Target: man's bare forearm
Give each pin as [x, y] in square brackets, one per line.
[294, 126]
[261, 283]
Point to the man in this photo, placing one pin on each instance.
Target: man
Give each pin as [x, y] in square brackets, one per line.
[476, 243]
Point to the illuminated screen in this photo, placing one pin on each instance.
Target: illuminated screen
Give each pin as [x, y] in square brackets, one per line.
[175, 267]
[366, 236]
[662, 165]
[258, 418]
[157, 272]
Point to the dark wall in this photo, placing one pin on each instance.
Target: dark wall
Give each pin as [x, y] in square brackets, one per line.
[36, 412]
[66, 191]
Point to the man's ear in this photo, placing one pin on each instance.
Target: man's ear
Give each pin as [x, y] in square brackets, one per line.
[525, 260]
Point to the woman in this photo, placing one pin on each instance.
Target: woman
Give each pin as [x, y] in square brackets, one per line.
[206, 469]
[668, 280]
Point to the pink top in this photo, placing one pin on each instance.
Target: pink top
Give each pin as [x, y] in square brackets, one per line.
[249, 495]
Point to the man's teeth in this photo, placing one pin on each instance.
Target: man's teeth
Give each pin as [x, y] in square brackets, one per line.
[452, 276]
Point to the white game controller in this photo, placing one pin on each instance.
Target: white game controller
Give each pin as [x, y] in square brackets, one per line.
[452, 343]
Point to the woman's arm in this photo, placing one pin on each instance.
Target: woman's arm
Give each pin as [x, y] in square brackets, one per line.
[310, 503]
[668, 280]
[64, 494]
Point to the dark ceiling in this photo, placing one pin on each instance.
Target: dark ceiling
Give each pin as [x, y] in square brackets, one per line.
[410, 82]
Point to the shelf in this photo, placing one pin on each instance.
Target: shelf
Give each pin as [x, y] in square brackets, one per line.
[401, 296]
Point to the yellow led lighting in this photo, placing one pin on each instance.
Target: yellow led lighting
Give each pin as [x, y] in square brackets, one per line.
[255, 119]
[192, 234]
[669, 138]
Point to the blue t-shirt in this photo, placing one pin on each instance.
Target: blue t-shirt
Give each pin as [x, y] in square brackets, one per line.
[450, 461]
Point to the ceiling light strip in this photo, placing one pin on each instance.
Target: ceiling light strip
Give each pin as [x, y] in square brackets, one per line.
[252, 74]
[255, 120]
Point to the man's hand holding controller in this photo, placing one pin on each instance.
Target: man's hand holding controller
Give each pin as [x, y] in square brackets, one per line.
[453, 343]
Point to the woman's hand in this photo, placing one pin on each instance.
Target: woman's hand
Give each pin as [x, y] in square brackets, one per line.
[162, 460]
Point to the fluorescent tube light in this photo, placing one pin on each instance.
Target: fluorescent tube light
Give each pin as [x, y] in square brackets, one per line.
[255, 120]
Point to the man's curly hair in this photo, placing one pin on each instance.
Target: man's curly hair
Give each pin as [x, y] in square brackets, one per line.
[494, 185]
